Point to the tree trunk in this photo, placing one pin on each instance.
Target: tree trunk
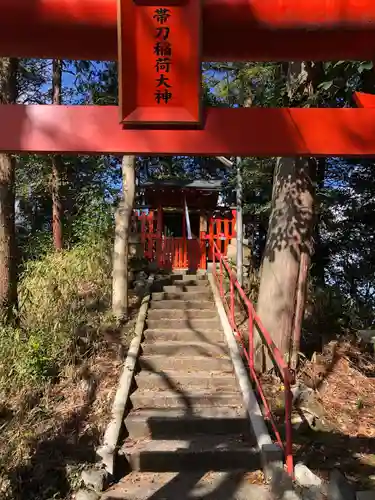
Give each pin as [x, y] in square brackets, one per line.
[300, 309]
[120, 301]
[8, 260]
[289, 235]
[57, 163]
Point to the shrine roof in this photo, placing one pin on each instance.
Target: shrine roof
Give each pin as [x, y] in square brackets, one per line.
[210, 184]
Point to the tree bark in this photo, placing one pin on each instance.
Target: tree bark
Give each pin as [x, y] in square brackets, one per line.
[57, 163]
[300, 309]
[120, 300]
[289, 235]
[8, 259]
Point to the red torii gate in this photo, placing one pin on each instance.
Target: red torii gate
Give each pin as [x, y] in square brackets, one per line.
[160, 85]
[160, 47]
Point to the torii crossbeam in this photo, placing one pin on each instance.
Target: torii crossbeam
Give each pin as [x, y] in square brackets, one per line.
[160, 47]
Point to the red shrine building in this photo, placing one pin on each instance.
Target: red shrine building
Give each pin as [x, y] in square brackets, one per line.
[178, 221]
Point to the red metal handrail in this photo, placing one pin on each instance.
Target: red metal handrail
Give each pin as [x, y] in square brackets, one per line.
[248, 351]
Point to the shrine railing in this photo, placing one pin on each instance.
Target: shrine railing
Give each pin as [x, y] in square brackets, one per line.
[175, 253]
[246, 324]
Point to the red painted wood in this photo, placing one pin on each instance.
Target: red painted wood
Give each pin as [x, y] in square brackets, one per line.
[364, 100]
[160, 64]
[171, 196]
[220, 231]
[144, 225]
[168, 253]
[158, 233]
[203, 251]
[179, 253]
[242, 132]
[232, 29]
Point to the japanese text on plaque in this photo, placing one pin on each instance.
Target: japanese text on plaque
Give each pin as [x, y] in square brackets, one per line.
[163, 56]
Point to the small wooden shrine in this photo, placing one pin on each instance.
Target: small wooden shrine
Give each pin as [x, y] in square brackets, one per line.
[178, 221]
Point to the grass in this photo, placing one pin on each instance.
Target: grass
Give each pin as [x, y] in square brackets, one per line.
[57, 297]
[58, 372]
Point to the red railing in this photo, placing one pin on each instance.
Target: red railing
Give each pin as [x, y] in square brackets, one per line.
[175, 253]
[172, 252]
[226, 274]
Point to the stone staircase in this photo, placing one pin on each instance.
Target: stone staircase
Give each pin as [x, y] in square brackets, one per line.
[188, 434]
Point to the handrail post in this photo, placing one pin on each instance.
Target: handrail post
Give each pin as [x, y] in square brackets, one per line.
[251, 337]
[214, 262]
[288, 424]
[232, 302]
[221, 276]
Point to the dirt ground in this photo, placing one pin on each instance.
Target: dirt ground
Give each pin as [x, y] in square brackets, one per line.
[343, 406]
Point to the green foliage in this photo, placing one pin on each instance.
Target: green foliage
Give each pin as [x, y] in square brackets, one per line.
[58, 295]
[325, 85]
[60, 292]
[240, 83]
[338, 81]
[365, 66]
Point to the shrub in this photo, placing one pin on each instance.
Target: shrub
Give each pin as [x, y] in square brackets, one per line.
[59, 297]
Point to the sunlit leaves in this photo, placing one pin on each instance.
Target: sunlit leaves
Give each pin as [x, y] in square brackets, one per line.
[326, 85]
[365, 66]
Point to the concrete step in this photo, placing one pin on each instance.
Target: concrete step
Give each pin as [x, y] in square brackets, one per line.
[160, 282]
[200, 323]
[182, 313]
[218, 453]
[186, 399]
[233, 485]
[184, 335]
[190, 283]
[183, 304]
[176, 348]
[199, 294]
[189, 276]
[181, 381]
[189, 364]
[178, 280]
[179, 423]
[186, 288]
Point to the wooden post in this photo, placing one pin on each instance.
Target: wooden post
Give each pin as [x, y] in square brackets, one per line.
[159, 230]
[184, 240]
[202, 240]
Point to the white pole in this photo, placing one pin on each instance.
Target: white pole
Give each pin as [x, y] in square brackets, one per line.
[239, 223]
[225, 161]
[187, 218]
